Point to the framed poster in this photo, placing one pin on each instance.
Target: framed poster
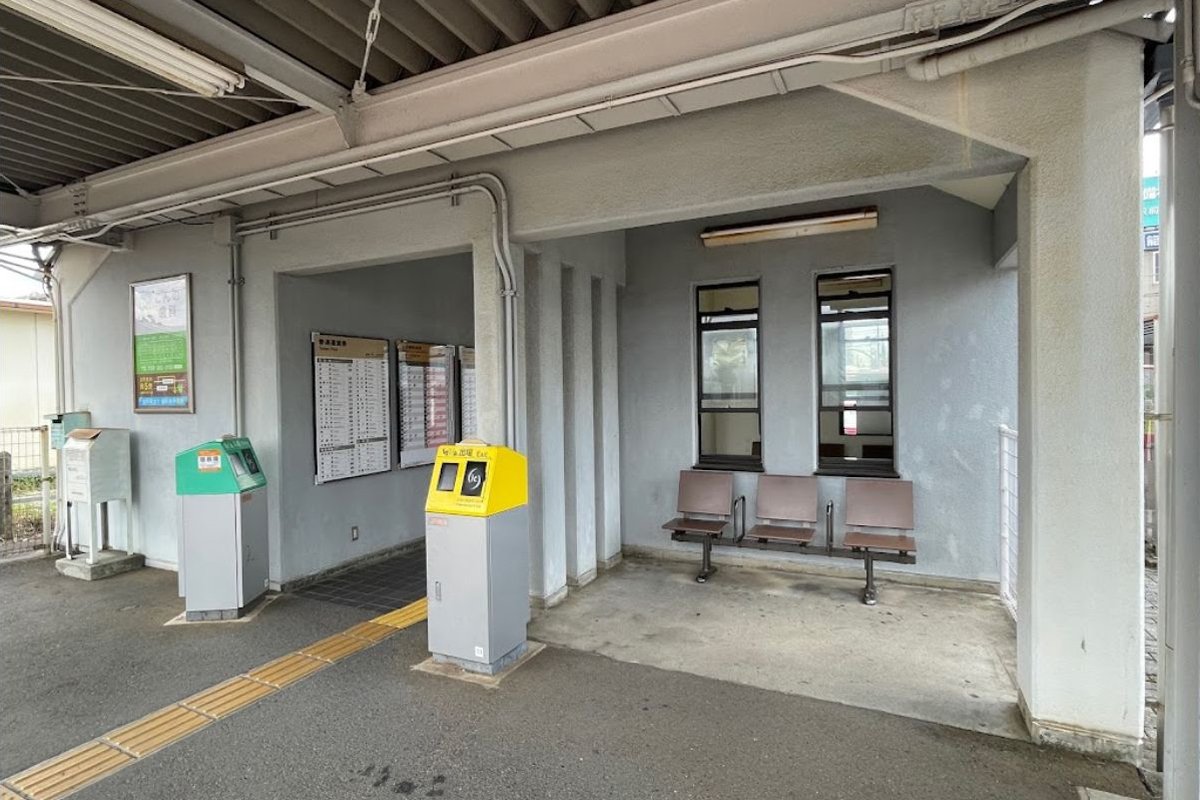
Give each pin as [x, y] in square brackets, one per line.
[161, 313]
[426, 402]
[351, 406]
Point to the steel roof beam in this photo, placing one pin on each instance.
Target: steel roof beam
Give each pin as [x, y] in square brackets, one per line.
[510, 16]
[83, 62]
[92, 161]
[54, 136]
[19, 54]
[263, 62]
[416, 23]
[348, 44]
[98, 123]
[46, 158]
[391, 42]
[464, 22]
[595, 8]
[554, 14]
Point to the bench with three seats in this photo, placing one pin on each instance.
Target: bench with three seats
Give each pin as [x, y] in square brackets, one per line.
[878, 519]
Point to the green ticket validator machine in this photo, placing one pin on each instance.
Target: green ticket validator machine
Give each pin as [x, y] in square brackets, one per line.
[223, 541]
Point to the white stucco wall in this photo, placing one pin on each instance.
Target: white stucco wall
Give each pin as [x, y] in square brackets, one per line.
[425, 301]
[101, 373]
[956, 366]
[26, 366]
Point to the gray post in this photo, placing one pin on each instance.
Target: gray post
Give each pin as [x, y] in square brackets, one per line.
[1179, 560]
[7, 531]
[47, 517]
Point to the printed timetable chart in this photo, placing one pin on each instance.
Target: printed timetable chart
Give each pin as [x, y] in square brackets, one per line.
[425, 374]
[469, 398]
[351, 388]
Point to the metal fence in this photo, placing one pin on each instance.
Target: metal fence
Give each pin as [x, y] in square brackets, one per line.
[1009, 519]
[27, 490]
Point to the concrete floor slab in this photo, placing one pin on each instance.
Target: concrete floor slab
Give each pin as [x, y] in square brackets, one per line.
[931, 654]
[83, 658]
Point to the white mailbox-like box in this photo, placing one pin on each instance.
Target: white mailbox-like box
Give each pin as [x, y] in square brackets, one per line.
[96, 473]
[96, 465]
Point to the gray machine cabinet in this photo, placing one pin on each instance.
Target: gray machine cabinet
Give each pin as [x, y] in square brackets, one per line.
[224, 552]
[478, 587]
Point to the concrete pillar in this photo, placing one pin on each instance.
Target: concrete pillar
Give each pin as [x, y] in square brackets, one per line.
[1080, 592]
[546, 425]
[607, 432]
[1179, 539]
[489, 340]
[580, 421]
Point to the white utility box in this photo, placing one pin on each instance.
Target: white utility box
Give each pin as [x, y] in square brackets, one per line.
[96, 473]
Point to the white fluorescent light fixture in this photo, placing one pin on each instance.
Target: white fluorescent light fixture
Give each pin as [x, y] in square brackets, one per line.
[860, 219]
[133, 43]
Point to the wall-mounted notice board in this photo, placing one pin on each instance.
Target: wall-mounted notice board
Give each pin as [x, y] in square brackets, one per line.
[352, 419]
[425, 373]
[468, 394]
[161, 312]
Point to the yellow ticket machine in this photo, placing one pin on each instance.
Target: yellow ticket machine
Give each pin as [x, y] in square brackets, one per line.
[477, 556]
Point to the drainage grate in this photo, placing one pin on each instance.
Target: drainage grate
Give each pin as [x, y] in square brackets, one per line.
[158, 730]
[72, 770]
[228, 697]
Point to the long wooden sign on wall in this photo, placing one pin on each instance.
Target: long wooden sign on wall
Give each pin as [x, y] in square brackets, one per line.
[352, 417]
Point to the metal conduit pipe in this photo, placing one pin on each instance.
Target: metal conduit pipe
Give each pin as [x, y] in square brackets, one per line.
[235, 335]
[492, 124]
[483, 183]
[1076, 23]
[1189, 21]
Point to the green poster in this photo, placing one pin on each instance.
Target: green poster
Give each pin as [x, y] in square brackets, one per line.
[162, 344]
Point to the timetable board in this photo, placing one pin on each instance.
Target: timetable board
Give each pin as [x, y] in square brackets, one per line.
[468, 394]
[425, 373]
[352, 415]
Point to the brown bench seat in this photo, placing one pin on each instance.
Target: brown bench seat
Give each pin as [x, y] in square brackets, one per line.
[880, 541]
[783, 500]
[712, 527]
[709, 494]
[878, 503]
[781, 533]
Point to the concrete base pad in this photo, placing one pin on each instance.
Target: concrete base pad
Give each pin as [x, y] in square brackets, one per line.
[108, 563]
[248, 613]
[1093, 743]
[941, 656]
[448, 670]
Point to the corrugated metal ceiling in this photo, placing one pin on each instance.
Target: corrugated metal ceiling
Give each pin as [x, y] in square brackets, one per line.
[54, 134]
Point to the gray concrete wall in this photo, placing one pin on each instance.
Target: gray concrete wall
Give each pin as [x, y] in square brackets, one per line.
[101, 374]
[955, 382]
[429, 301]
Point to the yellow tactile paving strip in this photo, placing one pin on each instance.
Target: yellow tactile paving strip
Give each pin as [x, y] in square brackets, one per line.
[335, 648]
[156, 731]
[99, 758]
[403, 617]
[287, 670]
[73, 770]
[228, 697]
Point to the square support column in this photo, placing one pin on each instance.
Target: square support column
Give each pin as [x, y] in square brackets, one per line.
[580, 432]
[1080, 589]
[546, 425]
[608, 434]
[489, 340]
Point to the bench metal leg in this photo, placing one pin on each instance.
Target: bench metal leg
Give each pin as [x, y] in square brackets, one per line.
[869, 595]
[706, 565]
